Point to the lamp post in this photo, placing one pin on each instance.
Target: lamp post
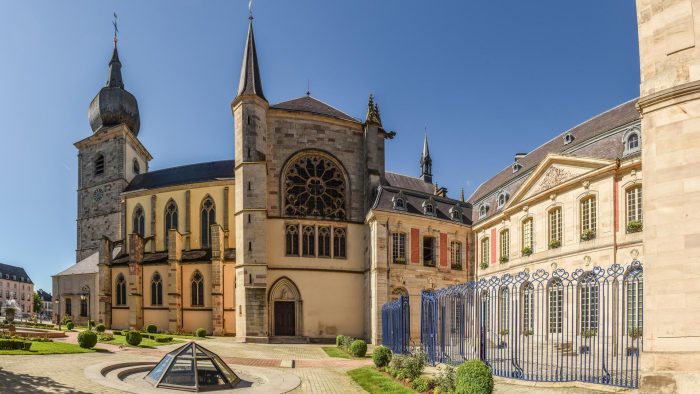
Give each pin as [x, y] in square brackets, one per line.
[85, 296]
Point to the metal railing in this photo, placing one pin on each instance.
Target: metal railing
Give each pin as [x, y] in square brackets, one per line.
[584, 326]
[396, 325]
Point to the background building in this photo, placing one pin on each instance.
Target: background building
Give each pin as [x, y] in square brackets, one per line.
[16, 285]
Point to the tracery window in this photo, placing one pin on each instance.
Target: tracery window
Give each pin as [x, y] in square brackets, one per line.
[308, 237]
[197, 289]
[556, 315]
[292, 240]
[120, 290]
[156, 289]
[170, 219]
[314, 186]
[339, 243]
[139, 221]
[208, 217]
[399, 248]
[324, 242]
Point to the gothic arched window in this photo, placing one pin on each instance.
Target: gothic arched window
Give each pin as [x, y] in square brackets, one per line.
[339, 243]
[156, 289]
[197, 289]
[308, 236]
[208, 217]
[292, 240]
[170, 219]
[324, 242]
[120, 290]
[139, 221]
[314, 186]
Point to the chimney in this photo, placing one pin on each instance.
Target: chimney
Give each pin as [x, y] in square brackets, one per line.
[519, 156]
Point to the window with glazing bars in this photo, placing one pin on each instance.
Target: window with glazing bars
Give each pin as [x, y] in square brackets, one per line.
[399, 247]
[456, 253]
[528, 307]
[588, 215]
[634, 301]
[555, 225]
[429, 251]
[505, 243]
[589, 303]
[503, 309]
[527, 233]
[634, 204]
[556, 294]
[485, 250]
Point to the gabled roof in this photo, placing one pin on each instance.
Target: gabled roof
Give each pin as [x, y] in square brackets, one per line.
[314, 106]
[14, 271]
[408, 183]
[87, 265]
[182, 175]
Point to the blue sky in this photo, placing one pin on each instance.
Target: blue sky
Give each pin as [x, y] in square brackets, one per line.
[487, 78]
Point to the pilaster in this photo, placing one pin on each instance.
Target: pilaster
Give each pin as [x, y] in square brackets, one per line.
[135, 283]
[174, 281]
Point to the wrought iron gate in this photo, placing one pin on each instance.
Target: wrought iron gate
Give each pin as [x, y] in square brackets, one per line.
[584, 326]
[396, 325]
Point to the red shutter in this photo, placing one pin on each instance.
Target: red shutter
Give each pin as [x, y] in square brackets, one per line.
[493, 246]
[443, 249]
[415, 249]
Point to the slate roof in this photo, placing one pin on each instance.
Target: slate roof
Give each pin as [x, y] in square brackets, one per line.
[414, 204]
[192, 173]
[408, 182]
[45, 296]
[19, 272]
[87, 265]
[250, 82]
[610, 147]
[314, 106]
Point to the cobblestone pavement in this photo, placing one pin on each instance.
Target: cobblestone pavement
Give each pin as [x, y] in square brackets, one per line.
[64, 373]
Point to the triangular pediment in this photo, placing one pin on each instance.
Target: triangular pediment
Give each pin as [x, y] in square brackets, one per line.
[553, 171]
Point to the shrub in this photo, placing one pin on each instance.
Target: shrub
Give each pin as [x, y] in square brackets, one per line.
[163, 339]
[634, 226]
[445, 381]
[91, 324]
[106, 337]
[70, 325]
[152, 328]
[381, 356]
[413, 365]
[15, 344]
[202, 333]
[100, 328]
[87, 339]
[358, 348]
[473, 377]
[347, 341]
[117, 332]
[133, 338]
[396, 363]
[339, 340]
[421, 384]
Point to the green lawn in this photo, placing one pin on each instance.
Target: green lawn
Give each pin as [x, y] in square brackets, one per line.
[145, 342]
[49, 348]
[375, 382]
[335, 352]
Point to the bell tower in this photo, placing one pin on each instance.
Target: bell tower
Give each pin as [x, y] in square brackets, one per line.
[250, 118]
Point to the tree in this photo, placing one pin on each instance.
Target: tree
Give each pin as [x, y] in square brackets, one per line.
[37, 303]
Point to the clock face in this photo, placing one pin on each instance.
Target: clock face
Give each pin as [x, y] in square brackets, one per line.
[97, 195]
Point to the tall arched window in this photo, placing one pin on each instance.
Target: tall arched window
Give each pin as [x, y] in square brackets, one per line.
[505, 246]
[528, 307]
[170, 219]
[99, 164]
[632, 142]
[292, 240]
[556, 312]
[308, 237]
[399, 248]
[120, 290]
[485, 252]
[555, 228]
[69, 307]
[139, 221]
[83, 307]
[207, 218]
[527, 233]
[503, 310]
[588, 308]
[324, 242]
[634, 208]
[634, 286]
[156, 289]
[197, 289]
[588, 218]
[339, 243]
[314, 185]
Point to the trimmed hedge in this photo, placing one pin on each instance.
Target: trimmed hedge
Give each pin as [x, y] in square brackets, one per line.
[381, 356]
[15, 344]
[117, 332]
[152, 329]
[473, 377]
[87, 339]
[70, 325]
[202, 333]
[339, 340]
[358, 348]
[100, 328]
[163, 339]
[133, 338]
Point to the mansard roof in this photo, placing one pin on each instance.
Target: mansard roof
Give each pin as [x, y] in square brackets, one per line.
[11, 270]
[588, 142]
[408, 182]
[182, 175]
[414, 204]
[314, 106]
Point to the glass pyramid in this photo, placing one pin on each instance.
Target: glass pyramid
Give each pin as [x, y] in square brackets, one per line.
[192, 368]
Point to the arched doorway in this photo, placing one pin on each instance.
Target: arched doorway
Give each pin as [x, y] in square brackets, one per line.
[285, 308]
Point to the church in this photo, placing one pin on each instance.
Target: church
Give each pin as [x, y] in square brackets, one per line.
[301, 236]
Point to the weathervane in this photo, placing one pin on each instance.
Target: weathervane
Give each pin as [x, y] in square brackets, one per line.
[116, 29]
[250, 9]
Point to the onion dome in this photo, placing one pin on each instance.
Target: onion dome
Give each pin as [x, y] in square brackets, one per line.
[114, 105]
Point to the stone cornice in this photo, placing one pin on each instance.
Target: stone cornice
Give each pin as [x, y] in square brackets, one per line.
[105, 134]
[668, 97]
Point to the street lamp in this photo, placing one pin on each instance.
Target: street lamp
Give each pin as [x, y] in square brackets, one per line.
[83, 297]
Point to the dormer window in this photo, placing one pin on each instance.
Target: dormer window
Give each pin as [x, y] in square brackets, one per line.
[399, 201]
[632, 141]
[483, 210]
[568, 138]
[429, 207]
[456, 213]
[516, 167]
[502, 199]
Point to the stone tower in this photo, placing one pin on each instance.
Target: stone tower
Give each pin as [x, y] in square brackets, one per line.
[669, 34]
[107, 161]
[250, 119]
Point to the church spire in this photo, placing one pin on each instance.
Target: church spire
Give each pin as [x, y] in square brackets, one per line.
[250, 82]
[114, 75]
[426, 163]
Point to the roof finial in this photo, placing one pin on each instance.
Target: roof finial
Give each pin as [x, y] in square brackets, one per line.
[373, 111]
[461, 195]
[308, 87]
[116, 29]
[426, 163]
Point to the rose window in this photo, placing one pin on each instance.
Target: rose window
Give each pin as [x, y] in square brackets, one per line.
[314, 186]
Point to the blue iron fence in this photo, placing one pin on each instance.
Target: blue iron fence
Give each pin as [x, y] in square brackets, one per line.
[396, 325]
[584, 326]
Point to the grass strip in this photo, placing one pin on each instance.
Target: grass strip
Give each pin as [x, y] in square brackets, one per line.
[375, 382]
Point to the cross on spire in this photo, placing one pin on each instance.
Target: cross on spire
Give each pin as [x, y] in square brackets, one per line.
[116, 28]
